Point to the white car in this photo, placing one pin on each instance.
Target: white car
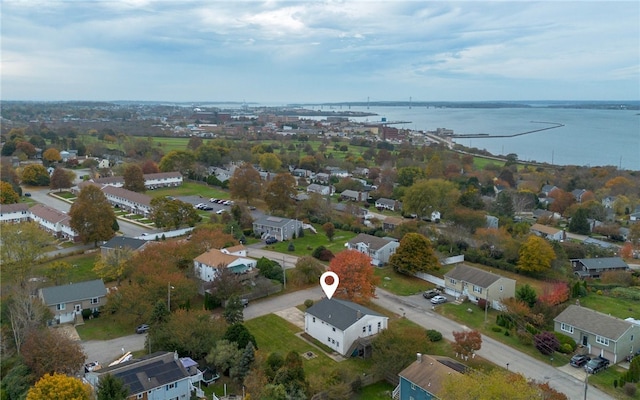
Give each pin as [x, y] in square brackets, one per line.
[219, 212]
[213, 200]
[438, 300]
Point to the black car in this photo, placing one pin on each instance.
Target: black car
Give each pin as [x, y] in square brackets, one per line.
[579, 360]
[429, 294]
[596, 365]
[142, 328]
[27, 194]
[271, 240]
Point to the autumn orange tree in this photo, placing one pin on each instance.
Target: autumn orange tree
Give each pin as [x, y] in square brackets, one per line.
[92, 216]
[357, 279]
[536, 255]
[245, 183]
[279, 194]
[59, 387]
[415, 254]
[61, 179]
[466, 342]
[7, 194]
[46, 351]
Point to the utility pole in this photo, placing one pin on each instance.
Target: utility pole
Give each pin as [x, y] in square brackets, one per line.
[284, 274]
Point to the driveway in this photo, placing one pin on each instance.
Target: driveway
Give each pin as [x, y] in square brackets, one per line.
[106, 351]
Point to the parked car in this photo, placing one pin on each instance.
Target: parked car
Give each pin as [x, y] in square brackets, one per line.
[142, 328]
[271, 240]
[579, 360]
[219, 212]
[438, 299]
[429, 294]
[206, 207]
[596, 365]
[27, 194]
[245, 302]
[213, 200]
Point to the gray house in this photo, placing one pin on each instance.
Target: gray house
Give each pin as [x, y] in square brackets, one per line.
[477, 284]
[599, 333]
[278, 227]
[122, 242]
[594, 267]
[66, 302]
[379, 249]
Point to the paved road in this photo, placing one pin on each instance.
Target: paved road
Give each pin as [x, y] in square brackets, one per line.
[106, 351]
[42, 196]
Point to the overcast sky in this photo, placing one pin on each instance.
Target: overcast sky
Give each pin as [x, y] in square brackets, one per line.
[317, 51]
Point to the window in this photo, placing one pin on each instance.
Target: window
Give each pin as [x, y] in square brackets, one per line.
[314, 320]
[364, 329]
[334, 329]
[61, 306]
[413, 387]
[602, 340]
[140, 395]
[95, 300]
[501, 288]
[380, 326]
[170, 386]
[477, 289]
[329, 339]
[452, 281]
[566, 327]
[369, 328]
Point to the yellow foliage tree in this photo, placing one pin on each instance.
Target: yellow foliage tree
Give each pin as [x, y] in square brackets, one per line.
[495, 385]
[59, 387]
[536, 255]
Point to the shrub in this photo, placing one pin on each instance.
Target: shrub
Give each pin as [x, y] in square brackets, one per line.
[524, 337]
[546, 343]
[531, 329]
[565, 348]
[291, 247]
[506, 333]
[505, 320]
[482, 303]
[433, 335]
[599, 292]
[564, 339]
[86, 313]
[308, 303]
[496, 329]
[630, 389]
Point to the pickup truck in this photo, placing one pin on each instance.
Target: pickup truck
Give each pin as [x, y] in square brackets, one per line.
[596, 365]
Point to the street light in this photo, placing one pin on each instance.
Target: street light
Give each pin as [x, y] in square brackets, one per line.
[507, 366]
[169, 287]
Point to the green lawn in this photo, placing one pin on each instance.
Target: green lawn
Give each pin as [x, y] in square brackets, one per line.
[190, 189]
[81, 267]
[399, 284]
[104, 327]
[616, 306]
[305, 245]
[378, 391]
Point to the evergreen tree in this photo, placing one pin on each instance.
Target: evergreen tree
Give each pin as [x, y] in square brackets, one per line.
[111, 388]
[233, 311]
[579, 223]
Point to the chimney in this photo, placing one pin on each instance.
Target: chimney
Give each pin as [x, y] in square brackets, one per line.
[358, 314]
[419, 357]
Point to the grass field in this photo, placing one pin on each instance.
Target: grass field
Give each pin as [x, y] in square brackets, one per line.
[615, 306]
[105, 327]
[305, 245]
[81, 268]
[399, 284]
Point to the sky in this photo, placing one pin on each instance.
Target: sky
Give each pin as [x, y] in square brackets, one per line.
[319, 51]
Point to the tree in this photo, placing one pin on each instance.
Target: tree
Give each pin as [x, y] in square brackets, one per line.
[546, 343]
[494, 385]
[25, 313]
[22, 245]
[173, 213]
[240, 335]
[61, 179]
[111, 388]
[415, 254]
[329, 229]
[554, 293]
[503, 205]
[58, 271]
[7, 194]
[466, 343]
[51, 155]
[46, 351]
[270, 269]
[407, 176]
[114, 264]
[36, 175]
[307, 271]
[280, 193]
[134, 179]
[357, 279]
[92, 216]
[150, 167]
[244, 363]
[178, 160]
[527, 294]
[233, 311]
[270, 162]
[395, 348]
[561, 201]
[536, 255]
[426, 196]
[579, 223]
[59, 387]
[245, 183]
[224, 355]
[17, 381]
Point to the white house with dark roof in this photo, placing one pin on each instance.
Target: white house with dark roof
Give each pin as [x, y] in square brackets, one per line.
[344, 326]
[131, 201]
[547, 232]
[163, 179]
[379, 249]
[388, 204]
[594, 267]
[476, 284]
[599, 333]
[207, 265]
[53, 221]
[158, 376]
[66, 302]
[320, 189]
[353, 195]
[14, 213]
[279, 227]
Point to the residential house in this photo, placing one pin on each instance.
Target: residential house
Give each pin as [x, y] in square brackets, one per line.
[320, 189]
[353, 195]
[424, 378]
[14, 213]
[361, 171]
[548, 189]
[163, 179]
[492, 222]
[599, 333]
[379, 249]
[322, 177]
[548, 232]
[579, 194]
[594, 267]
[391, 223]
[208, 264]
[137, 203]
[279, 227]
[301, 173]
[477, 284]
[53, 221]
[121, 242]
[539, 213]
[66, 302]
[388, 204]
[344, 326]
[157, 376]
[608, 201]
